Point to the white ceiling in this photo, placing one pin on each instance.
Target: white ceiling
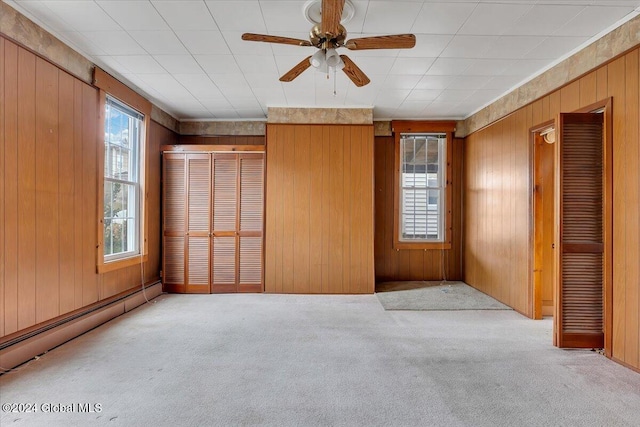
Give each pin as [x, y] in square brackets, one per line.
[188, 58]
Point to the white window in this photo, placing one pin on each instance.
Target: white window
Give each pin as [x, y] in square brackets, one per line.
[422, 187]
[123, 130]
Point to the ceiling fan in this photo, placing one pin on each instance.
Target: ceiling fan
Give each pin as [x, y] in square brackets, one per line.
[327, 36]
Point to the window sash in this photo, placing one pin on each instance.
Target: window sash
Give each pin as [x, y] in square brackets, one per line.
[422, 179]
[123, 137]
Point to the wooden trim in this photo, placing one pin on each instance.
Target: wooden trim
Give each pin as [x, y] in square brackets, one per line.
[429, 127]
[209, 148]
[623, 363]
[105, 267]
[417, 126]
[102, 99]
[109, 84]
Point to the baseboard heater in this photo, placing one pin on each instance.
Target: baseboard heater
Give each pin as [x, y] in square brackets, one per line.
[25, 347]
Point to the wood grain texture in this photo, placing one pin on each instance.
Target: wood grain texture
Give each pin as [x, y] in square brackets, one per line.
[413, 264]
[483, 268]
[325, 175]
[48, 164]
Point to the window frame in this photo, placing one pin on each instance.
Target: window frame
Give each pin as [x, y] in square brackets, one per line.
[416, 127]
[111, 87]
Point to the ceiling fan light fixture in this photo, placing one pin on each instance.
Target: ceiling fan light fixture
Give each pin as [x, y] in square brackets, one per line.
[332, 58]
[318, 60]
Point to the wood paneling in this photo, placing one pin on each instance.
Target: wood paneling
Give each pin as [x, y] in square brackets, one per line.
[48, 178]
[319, 184]
[507, 277]
[413, 264]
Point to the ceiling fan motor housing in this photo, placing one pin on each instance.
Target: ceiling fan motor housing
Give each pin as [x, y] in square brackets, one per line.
[325, 40]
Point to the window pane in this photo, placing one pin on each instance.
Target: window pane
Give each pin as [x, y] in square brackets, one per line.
[422, 186]
[121, 210]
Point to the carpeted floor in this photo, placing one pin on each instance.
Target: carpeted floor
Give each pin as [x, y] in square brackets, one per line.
[434, 296]
[292, 360]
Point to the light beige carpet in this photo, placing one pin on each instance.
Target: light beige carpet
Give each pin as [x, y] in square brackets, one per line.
[434, 295]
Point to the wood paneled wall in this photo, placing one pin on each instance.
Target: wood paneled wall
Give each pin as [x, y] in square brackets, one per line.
[48, 197]
[413, 264]
[319, 209]
[497, 190]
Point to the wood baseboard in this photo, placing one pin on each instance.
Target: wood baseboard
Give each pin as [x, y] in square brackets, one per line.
[27, 349]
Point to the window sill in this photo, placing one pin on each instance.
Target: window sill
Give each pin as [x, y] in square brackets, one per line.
[422, 245]
[121, 263]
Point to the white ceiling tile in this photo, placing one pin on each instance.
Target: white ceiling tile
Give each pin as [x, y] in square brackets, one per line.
[134, 15]
[487, 67]
[261, 80]
[285, 63]
[243, 16]
[159, 42]
[490, 18]
[469, 82]
[224, 114]
[179, 64]
[392, 98]
[427, 45]
[114, 42]
[199, 85]
[502, 82]
[483, 96]
[111, 64]
[589, 22]
[364, 95]
[81, 43]
[451, 95]
[186, 15]
[253, 113]
[245, 103]
[282, 16]
[218, 64]
[83, 16]
[468, 46]
[217, 103]
[166, 85]
[387, 17]
[140, 64]
[374, 65]
[543, 20]
[435, 82]
[511, 47]
[525, 67]
[423, 95]
[401, 81]
[273, 95]
[416, 66]
[449, 66]
[204, 42]
[380, 113]
[257, 63]
[442, 18]
[554, 47]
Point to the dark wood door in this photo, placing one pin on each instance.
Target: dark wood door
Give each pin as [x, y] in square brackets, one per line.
[579, 319]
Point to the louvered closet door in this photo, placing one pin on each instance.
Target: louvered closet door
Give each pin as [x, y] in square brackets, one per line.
[251, 222]
[174, 209]
[580, 310]
[225, 218]
[198, 220]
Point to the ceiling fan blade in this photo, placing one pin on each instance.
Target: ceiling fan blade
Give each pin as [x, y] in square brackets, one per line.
[397, 41]
[331, 16]
[297, 70]
[274, 39]
[357, 76]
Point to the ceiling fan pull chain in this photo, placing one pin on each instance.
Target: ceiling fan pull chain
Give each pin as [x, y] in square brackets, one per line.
[334, 82]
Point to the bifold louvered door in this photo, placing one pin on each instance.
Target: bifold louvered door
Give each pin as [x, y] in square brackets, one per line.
[238, 188]
[580, 256]
[174, 196]
[213, 220]
[187, 219]
[198, 233]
